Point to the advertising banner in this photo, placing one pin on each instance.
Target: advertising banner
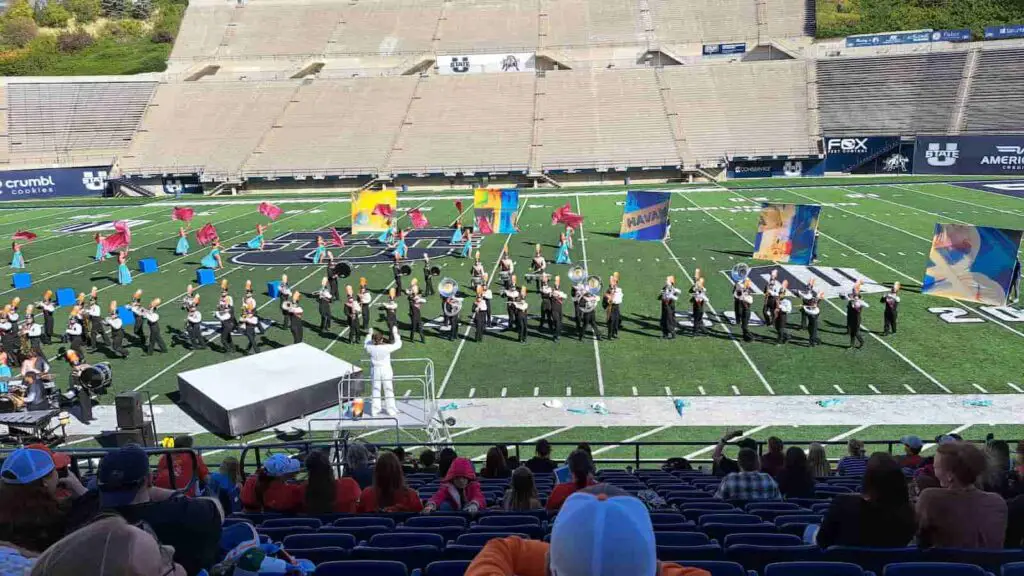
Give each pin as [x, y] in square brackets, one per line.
[725, 49]
[890, 39]
[970, 155]
[776, 168]
[1001, 32]
[52, 183]
[974, 263]
[868, 154]
[645, 215]
[454, 64]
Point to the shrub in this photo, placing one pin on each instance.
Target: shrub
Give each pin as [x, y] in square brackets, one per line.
[141, 9]
[53, 15]
[85, 11]
[124, 30]
[19, 31]
[114, 8]
[73, 41]
[167, 23]
[19, 9]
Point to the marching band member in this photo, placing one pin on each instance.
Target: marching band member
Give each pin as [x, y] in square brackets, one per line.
[213, 260]
[101, 253]
[352, 313]
[188, 302]
[545, 304]
[396, 270]
[321, 248]
[73, 333]
[195, 326]
[511, 294]
[477, 272]
[699, 299]
[668, 229]
[807, 294]
[226, 316]
[428, 278]
[380, 368]
[33, 331]
[562, 256]
[139, 314]
[811, 311]
[668, 297]
[324, 298]
[771, 296]
[451, 315]
[854, 306]
[892, 305]
[479, 314]
[284, 296]
[95, 313]
[588, 306]
[391, 309]
[401, 249]
[538, 265]
[489, 297]
[83, 318]
[332, 276]
[8, 334]
[182, 248]
[49, 307]
[613, 300]
[364, 304]
[782, 310]
[468, 243]
[124, 276]
[506, 269]
[257, 242]
[17, 259]
[557, 298]
[296, 312]
[579, 290]
[521, 305]
[249, 323]
[416, 311]
[116, 330]
[156, 340]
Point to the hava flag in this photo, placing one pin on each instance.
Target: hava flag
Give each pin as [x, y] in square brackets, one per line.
[270, 211]
[498, 208]
[418, 219]
[786, 233]
[366, 217]
[207, 234]
[645, 216]
[974, 263]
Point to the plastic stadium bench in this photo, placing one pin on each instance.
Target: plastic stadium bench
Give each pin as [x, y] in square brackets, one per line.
[757, 557]
[320, 555]
[446, 568]
[815, 569]
[933, 569]
[412, 556]
[362, 568]
[346, 541]
[719, 568]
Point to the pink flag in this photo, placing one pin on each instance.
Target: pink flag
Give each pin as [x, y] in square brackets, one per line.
[458, 207]
[184, 214]
[483, 226]
[207, 234]
[572, 220]
[24, 235]
[418, 219]
[336, 238]
[116, 241]
[384, 210]
[270, 211]
[556, 216]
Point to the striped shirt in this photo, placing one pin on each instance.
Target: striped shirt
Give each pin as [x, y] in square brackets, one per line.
[852, 465]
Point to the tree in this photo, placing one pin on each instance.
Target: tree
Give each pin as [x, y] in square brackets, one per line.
[19, 31]
[114, 8]
[19, 9]
[141, 9]
[85, 11]
[53, 15]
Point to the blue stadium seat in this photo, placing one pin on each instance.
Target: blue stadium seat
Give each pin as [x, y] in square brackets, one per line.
[680, 526]
[814, 569]
[991, 560]
[821, 508]
[1013, 569]
[448, 533]
[667, 517]
[757, 557]
[720, 531]
[313, 523]
[320, 555]
[751, 507]
[771, 515]
[412, 556]
[359, 532]
[507, 520]
[362, 568]
[436, 521]
[790, 518]
[534, 531]
[873, 559]
[405, 539]
[461, 551]
[716, 518]
[808, 502]
[279, 534]
[447, 568]
[684, 554]
[720, 568]
[540, 514]
[481, 538]
[669, 538]
[346, 541]
[360, 521]
[763, 540]
[231, 521]
[933, 569]
[709, 506]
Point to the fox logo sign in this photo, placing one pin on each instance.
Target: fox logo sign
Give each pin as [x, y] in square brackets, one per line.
[847, 145]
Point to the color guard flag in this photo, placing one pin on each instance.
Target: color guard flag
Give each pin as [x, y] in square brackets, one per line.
[565, 215]
[270, 211]
[336, 238]
[118, 240]
[367, 213]
[418, 219]
[645, 215]
[207, 234]
[786, 233]
[498, 208]
[24, 235]
[975, 263]
[183, 213]
[483, 226]
[458, 207]
[384, 210]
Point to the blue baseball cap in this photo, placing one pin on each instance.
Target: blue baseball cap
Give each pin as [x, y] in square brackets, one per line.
[122, 474]
[601, 535]
[26, 465]
[280, 465]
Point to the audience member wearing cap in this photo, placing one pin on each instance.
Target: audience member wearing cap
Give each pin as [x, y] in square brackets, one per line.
[582, 469]
[189, 468]
[62, 463]
[924, 476]
[32, 516]
[322, 492]
[108, 547]
[881, 516]
[272, 487]
[191, 525]
[854, 463]
[600, 531]
[389, 492]
[911, 452]
[459, 490]
[722, 465]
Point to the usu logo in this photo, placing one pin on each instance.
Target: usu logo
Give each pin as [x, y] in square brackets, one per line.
[942, 156]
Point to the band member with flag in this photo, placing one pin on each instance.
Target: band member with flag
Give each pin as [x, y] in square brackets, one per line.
[668, 297]
[396, 270]
[699, 299]
[256, 243]
[771, 296]
[101, 253]
[782, 310]
[451, 308]
[212, 259]
[416, 303]
[364, 304]
[321, 249]
[812, 312]
[95, 313]
[568, 236]
[180, 249]
[545, 304]
[195, 326]
[808, 293]
[124, 276]
[456, 234]
[506, 269]
[156, 340]
[612, 302]
[588, 307]
[390, 308]
[139, 314]
[467, 247]
[324, 298]
[49, 307]
[113, 320]
[17, 259]
[511, 294]
[562, 256]
[538, 266]
[226, 316]
[381, 372]
[352, 313]
[1013, 294]
[428, 278]
[521, 306]
[479, 314]
[296, 311]
[557, 299]
[249, 323]
[854, 307]
[33, 331]
[284, 296]
[891, 299]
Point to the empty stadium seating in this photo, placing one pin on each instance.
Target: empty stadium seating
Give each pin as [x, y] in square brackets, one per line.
[993, 105]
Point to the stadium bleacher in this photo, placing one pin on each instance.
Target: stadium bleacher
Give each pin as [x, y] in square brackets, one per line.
[992, 105]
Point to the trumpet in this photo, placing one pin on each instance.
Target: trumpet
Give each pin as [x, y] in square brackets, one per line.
[669, 292]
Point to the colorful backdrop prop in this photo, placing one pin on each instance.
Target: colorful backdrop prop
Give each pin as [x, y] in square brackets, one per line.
[972, 263]
[645, 216]
[785, 233]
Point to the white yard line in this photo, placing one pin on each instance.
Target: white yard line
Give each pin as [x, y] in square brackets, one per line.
[956, 430]
[640, 436]
[849, 433]
[707, 449]
[994, 209]
[597, 351]
[547, 434]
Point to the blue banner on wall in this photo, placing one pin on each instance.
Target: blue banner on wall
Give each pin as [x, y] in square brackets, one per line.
[959, 35]
[725, 49]
[776, 168]
[915, 37]
[969, 155]
[52, 183]
[182, 185]
[868, 155]
[1000, 32]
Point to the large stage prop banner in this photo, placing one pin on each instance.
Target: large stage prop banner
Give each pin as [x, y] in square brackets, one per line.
[645, 216]
[498, 208]
[365, 215]
[786, 233]
[974, 263]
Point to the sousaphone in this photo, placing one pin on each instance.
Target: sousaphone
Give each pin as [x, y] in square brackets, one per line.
[342, 270]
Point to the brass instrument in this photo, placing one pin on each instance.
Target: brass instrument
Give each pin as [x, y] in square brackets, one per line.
[435, 271]
[342, 269]
[452, 306]
[577, 274]
[447, 287]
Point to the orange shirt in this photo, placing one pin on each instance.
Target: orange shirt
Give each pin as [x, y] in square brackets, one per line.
[346, 495]
[561, 492]
[513, 555]
[278, 497]
[406, 500]
[182, 472]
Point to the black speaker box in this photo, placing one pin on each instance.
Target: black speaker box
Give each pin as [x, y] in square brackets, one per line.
[128, 407]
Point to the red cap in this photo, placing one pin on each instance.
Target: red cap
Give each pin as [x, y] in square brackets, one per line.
[60, 459]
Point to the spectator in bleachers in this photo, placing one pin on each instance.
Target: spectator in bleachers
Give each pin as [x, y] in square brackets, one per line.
[542, 462]
[722, 465]
[109, 546]
[774, 460]
[585, 446]
[795, 478]
[324, 494]
[512, 462]
[1015, 523]
[881, 516]
[600, 532]
[389, 492]
[494, 466]
[911, 452]
[32, 516]
[408, 466]
[522, 494]
[357, 464]
[958, 514]
[748, 484]
[460, 490]
[1019, 464]
[273, 488]
[428, 461]
[582, 469]
[191, 525]
[1001, 478]
[444, 460]
[924, 476]
[183, 468]
[228, 483]
[854, 463]
[817, 459]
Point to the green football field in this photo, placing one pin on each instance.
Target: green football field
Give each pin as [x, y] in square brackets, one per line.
[881, 232]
